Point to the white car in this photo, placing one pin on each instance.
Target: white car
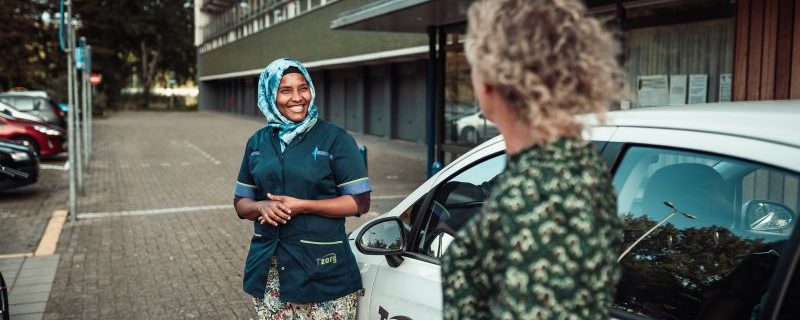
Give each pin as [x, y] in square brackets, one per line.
[730, 170]
[475, 128]
[14, 113]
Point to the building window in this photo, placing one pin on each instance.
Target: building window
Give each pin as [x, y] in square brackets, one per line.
[291, 10]
[278, 15]
[680, 64]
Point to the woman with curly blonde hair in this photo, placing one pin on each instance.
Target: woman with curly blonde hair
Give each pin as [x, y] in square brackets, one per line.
[545, 246]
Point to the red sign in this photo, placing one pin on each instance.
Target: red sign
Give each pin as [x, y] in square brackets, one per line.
[95, 78]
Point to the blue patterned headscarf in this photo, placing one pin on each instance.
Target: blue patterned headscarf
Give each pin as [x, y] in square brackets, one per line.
[267, 93]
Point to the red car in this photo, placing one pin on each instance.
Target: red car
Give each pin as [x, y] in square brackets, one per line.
[46, 139]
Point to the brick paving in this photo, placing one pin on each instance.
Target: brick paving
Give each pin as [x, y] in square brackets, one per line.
[178, 265]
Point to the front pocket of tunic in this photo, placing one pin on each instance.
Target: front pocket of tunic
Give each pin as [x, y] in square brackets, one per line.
[326, 259]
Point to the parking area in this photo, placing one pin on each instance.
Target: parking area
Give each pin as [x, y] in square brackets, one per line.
[24, 212]
[158, 237]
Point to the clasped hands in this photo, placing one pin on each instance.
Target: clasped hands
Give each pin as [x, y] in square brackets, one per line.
[279, 209]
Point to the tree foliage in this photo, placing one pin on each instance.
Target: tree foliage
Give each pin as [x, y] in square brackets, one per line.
[125, 35]
[31, 57]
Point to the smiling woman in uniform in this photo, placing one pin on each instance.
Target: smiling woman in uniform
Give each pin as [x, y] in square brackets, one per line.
[299, 178]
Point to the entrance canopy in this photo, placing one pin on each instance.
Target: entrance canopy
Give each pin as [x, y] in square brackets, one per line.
[403, 15]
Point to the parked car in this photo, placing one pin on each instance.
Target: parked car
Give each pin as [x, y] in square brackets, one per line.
[38, 104]
[475, 128]
[14, 113]
[19, 165]
[4, 312]
[732, 168]
[45, 139]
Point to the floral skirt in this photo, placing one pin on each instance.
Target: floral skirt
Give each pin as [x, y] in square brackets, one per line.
[272, 308]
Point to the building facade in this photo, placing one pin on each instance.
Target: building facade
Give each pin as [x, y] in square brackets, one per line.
[396, 68]
[367, 82]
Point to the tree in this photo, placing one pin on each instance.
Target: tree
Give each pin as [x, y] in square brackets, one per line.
[30, 45]
[141, 38]
[145, 38]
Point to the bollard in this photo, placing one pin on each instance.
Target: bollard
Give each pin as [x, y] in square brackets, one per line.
[363, 150]
[435, 168]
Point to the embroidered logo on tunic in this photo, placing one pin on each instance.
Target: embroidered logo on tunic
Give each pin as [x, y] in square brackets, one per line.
[326, 259]
[318, 152]
[255, 153]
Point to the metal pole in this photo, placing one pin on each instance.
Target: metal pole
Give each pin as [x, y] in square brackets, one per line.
[431, 99]
[78, 144]
[84, 87]
[73, 211]
[89, 105]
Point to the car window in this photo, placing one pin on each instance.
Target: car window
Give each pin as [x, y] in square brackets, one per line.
[22, 104]
[45, 111]
[702, 233]
[456, 201]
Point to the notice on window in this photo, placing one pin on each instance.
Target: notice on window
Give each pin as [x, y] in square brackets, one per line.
[653, 91]
[698, 88]
[725, 87]
[677, 89]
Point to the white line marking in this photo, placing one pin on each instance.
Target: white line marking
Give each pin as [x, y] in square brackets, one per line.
[388, 197]
[95, 215]
[203, 153]
[52, 167]
[16, 255]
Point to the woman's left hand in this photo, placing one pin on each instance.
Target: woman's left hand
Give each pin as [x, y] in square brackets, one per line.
[295, 206]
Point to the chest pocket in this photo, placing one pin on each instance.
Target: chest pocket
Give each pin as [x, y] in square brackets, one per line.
[266, 171]
[317, 171]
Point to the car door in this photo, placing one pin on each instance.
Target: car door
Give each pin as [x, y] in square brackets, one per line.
[412, 289]
[706, 219]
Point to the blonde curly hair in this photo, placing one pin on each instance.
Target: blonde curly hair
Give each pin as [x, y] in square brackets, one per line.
[548, 58]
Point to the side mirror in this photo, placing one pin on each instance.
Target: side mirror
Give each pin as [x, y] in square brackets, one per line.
[762, 215]
[385, 237]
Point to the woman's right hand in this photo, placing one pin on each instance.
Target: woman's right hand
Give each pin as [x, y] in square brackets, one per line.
[273, 212]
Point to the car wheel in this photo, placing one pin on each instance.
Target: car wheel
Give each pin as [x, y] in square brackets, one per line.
[28, 142]
[468, 134]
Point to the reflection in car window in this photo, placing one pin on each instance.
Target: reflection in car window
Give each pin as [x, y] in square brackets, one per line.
[384, 235]
[455, 202]
[716, 246]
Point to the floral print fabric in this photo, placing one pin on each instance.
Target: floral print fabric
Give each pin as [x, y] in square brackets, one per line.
[270, 307]
[545, 245]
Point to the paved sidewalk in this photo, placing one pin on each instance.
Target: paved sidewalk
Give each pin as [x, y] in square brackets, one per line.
[166, 243]
[29, 281]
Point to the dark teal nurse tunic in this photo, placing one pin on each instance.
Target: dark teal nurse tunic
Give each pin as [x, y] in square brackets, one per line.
[315, 262]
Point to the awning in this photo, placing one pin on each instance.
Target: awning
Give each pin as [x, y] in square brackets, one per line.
[416, 15]
[403, 15]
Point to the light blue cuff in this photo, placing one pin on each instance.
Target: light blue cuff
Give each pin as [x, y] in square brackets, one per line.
[354, 187]
[245, 190]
